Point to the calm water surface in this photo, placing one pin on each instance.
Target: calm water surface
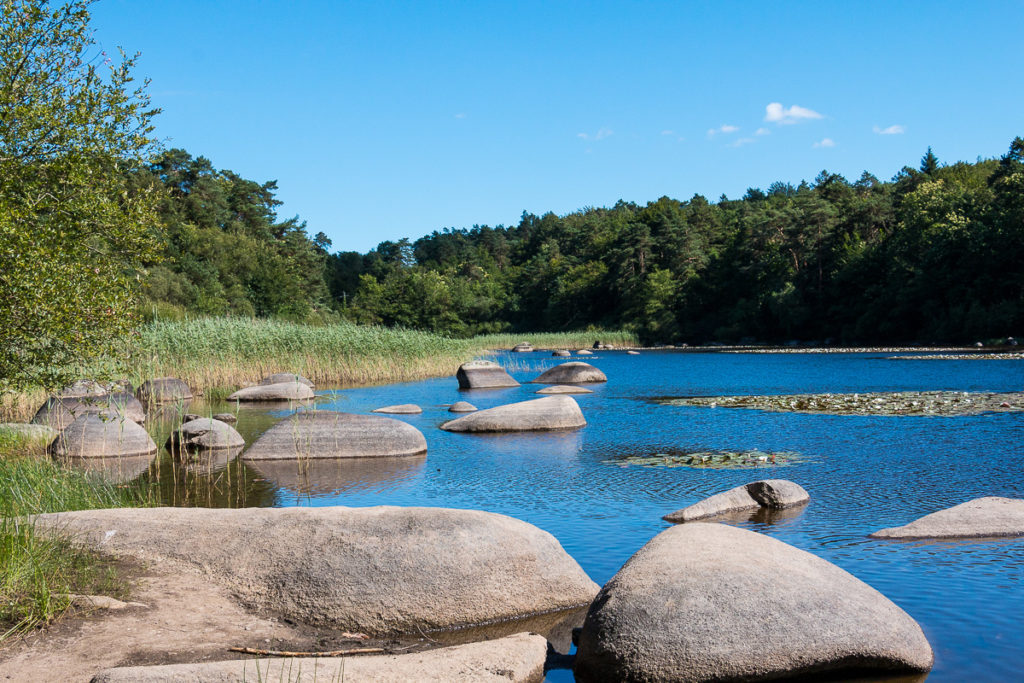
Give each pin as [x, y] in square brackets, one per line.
[863, 473]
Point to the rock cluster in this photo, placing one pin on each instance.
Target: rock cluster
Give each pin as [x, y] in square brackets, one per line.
[60, 411]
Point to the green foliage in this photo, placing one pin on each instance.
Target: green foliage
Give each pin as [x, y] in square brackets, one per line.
[73, 226]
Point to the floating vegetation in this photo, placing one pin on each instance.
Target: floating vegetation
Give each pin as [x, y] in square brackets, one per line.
[712, 460]
[927, 403]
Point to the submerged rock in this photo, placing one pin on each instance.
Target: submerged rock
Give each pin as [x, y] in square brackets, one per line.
[575, 372]
[987, 517]
[93, 436]
[163, 390]
[483, 374]
[462, 407]
[204, 434]
[282, 391]
[376, 570]
[564, 389]
[775, 494]
[518, 658]
[59, 412]
[404, 409]
[548, 413]
[710, 602]
[283, 377]
[329, 434]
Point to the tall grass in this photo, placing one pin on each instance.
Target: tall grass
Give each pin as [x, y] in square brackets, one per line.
[557, 340]
[40, 571]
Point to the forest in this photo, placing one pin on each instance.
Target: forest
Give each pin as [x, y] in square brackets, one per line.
[935, 255]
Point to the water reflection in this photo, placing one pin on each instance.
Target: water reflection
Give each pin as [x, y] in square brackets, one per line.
[113, 470]
[316, 477]
[761, 517]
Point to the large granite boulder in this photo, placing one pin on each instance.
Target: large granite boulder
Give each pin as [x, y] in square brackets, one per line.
[282, 391]
[94, 436]
[987, 517]
[329, 434]
[564, 389]
[540, 414]
[575, 372]
[163, 390]
[774, 494]
[403, 409]
[282, 377]
[376, 570]
[58, 412]
[518, 658]
[483, 374]
[204, 434]
[711, 602]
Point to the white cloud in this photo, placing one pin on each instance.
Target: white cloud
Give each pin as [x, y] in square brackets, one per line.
[601, 134]
[741, 141]
[891, 130]
[825, 142]
[460, 115]
[724, 128]
[762, 131]
[776, 113]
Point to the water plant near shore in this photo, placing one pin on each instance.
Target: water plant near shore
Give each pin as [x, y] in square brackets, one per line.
[712, 460]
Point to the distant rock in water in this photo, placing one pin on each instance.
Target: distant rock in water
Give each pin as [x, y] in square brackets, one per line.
[59, 412]
[283, 391]
[632, 353]
[710, 602]
[462, 407]
[564, 389]
[575, 372]
[226, 418]
[775, 494]
[523, 347]
[282, 377]
[561, 354]
[204, 434]
[988, 517]
[483, 374]
[403, 409]
[93, 436]
[549, 413]
[329, 434]
[163, 390]
[584, 352]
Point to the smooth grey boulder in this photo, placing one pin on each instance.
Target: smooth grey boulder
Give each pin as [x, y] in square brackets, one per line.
[517, 658]
[282, 377]
[59, 412]
[204, 434]
[574, 372]
[329, 434]
[462, 407]
[94, 436]
[33, 433]
[539, 414]
[564, 389]
[163, 390]
[775, 494]
[561, 354]
[523, 347]
[226, 418]
[584, 352]
[711, 602]
[483, 374]
[282, 391]
[987, 517]
[403, 409]
[83, 387]
[375, 570]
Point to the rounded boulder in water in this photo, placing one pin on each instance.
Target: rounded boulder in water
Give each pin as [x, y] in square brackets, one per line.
[575, 372]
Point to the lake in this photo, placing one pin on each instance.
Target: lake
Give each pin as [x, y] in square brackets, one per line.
[863, 473]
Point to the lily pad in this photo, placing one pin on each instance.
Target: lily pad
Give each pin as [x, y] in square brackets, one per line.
[712, 460]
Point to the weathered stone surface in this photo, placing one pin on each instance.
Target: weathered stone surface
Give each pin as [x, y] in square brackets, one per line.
[35, 433]
[514, 659]
[93, 436]
[226, 418]
[377, 570]
[83, 387]
[775, 494]
[561, 354]
[711, 602]
[282, 377]
[59, 412]
[403, 409]
[987, 517]
[462, 407]
[539, 414]
[283, 391]
[574, 372]
[163, 390]
[483, 374]
[204, 434]
[329, 434]
[523, 347]
[564, 389]
[584, 352]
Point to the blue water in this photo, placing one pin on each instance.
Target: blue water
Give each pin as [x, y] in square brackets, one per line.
[863, 473]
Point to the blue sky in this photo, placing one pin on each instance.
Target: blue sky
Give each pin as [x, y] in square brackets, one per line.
[386, 120]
